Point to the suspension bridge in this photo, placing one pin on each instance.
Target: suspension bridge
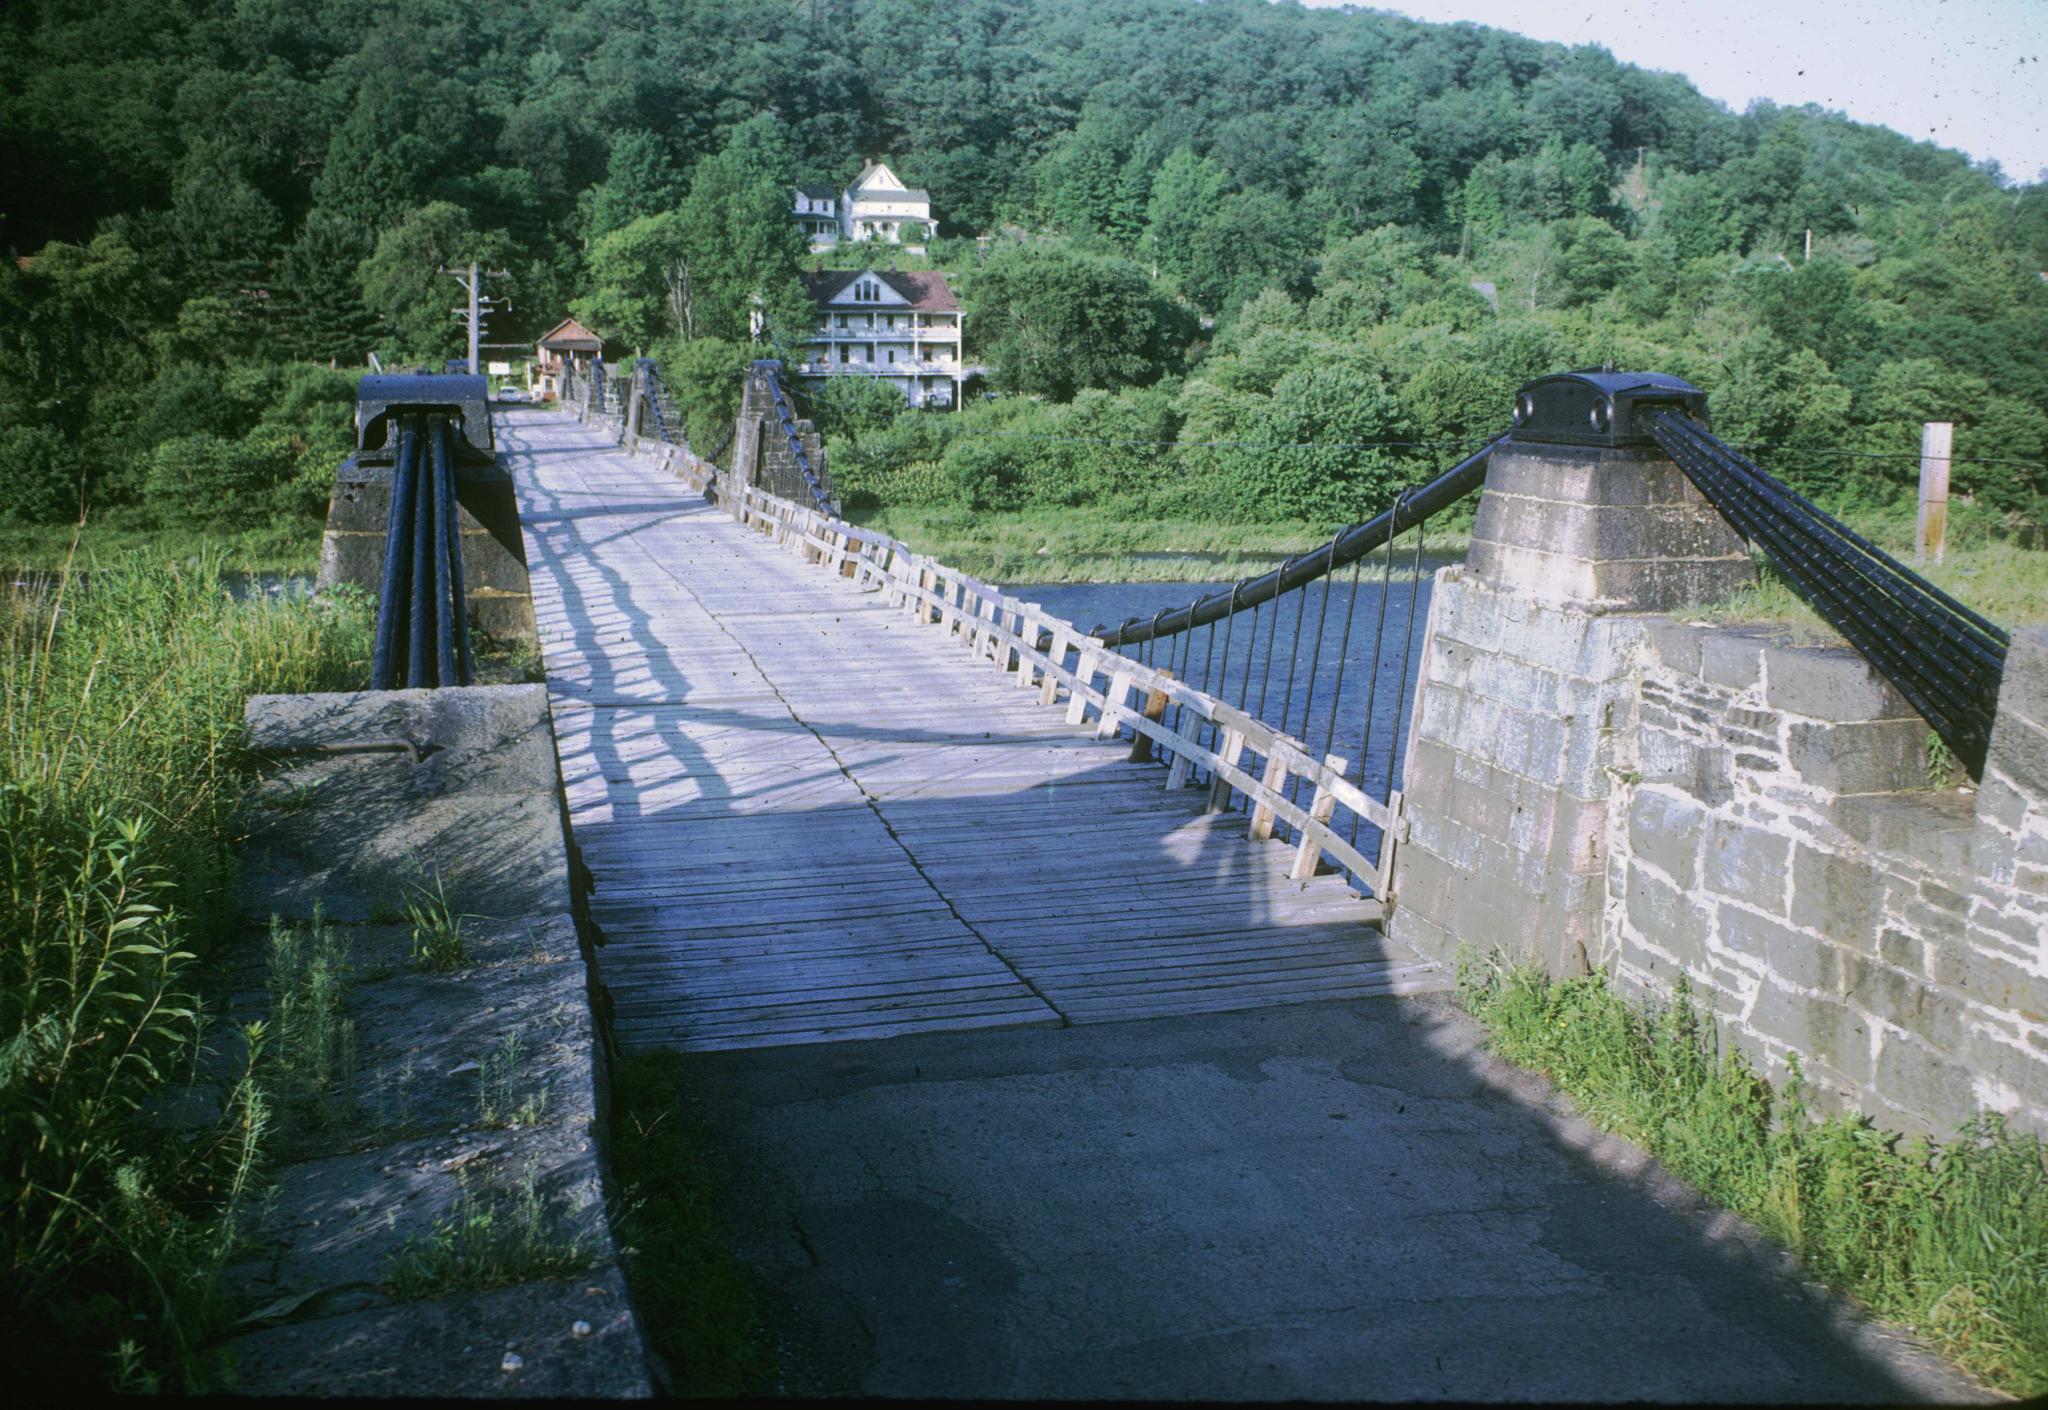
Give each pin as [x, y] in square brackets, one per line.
[826, 787]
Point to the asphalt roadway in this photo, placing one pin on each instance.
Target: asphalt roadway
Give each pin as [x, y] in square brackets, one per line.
[1343, 1201]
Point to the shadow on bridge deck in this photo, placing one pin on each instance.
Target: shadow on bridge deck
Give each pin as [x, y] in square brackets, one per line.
[808, 818]
[1277, 1199]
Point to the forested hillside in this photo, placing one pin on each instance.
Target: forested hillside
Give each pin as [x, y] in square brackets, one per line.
[1312, 228]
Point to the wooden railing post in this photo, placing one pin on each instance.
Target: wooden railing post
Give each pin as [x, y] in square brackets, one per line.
[1231, 753]
[1049, 688]
[1390, 838]
[1155, 711]
[1027, 633]
[1084, 681]
[1309, 853]
[1113, 710]
[1186, 735]
[1274, 780]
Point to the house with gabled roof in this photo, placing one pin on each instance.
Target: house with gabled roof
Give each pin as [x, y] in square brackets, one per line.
[902, 328]
[568, 344]
[875, 206]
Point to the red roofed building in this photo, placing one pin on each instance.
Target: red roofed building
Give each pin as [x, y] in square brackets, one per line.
[904, 328]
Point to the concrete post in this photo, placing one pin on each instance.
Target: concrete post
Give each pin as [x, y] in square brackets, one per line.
[1527, 681]
[636, 393]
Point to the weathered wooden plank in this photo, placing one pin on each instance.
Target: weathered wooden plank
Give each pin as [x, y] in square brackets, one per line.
[821, 800]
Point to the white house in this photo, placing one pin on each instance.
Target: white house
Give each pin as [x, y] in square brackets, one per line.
[817, 215]
[876, 206]
[902, 328]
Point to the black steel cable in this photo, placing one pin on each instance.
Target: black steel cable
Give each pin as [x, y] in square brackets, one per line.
[1223, 678]
[1372, 689]
[1982, 639]
[1823, 581]
[394, 593]
[421, 628]
[444, 514]
[1462, 479]
[1891, 614]
[1343, 660]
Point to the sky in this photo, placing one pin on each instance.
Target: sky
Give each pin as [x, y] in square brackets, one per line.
[1969, 74]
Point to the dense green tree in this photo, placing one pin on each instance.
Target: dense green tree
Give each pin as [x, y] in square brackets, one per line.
[403, 283]
[640, 289]
[740, 249]
[1053, 320]
[319, 313]
[1184, 190]
[1247, 241]
[640, 179]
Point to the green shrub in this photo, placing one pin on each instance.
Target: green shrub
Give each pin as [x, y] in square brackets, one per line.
[202, 480]
[39, 476]
[1951, 1239]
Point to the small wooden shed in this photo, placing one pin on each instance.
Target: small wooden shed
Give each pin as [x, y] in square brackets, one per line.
[567, 344]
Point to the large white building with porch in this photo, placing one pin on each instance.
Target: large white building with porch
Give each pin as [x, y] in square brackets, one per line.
[902, 328]
[876, 206]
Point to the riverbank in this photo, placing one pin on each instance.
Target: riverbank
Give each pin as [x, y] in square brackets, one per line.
[285, 547]
[1092, 546]
[2007, 584]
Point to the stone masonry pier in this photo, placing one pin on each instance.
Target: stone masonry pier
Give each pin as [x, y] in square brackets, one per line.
[1593, 784]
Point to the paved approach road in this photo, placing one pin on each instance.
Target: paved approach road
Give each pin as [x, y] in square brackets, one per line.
[1336, 1200]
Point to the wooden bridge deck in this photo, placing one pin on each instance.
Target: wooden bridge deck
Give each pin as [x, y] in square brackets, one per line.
[809, 818]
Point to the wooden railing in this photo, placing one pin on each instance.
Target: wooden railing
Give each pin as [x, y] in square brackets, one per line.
[1210, 743]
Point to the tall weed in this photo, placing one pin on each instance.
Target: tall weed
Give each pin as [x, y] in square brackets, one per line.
[120, 768]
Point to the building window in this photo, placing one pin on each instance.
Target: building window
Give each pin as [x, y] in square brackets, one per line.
[892, 357]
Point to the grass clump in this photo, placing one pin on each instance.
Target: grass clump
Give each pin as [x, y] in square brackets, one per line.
[493, 1239]
[504, 1096]
[698, 1302]
[314, 1060]
[437, 945]
[1950, 1239]
[120, 768]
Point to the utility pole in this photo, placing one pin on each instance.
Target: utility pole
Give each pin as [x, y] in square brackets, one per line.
[1931, 526]
[472, 281]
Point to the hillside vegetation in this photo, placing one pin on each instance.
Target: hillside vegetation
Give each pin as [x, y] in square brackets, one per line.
[1235, 223]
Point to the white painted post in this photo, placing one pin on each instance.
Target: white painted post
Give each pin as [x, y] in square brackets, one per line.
[1113, 709]
[1308, 854]
[1084, 677]
[1930, 529]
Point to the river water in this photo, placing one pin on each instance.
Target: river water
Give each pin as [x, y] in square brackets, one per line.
[1352, 698]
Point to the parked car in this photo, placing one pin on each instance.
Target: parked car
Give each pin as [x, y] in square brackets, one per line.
[511, 394]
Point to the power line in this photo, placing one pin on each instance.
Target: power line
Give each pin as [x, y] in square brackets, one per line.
[1240, 445]
[1454, 445]
[1912, 455]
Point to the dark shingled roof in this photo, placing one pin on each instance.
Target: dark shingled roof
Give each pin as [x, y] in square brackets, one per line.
[818, 193]
[924, 289]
